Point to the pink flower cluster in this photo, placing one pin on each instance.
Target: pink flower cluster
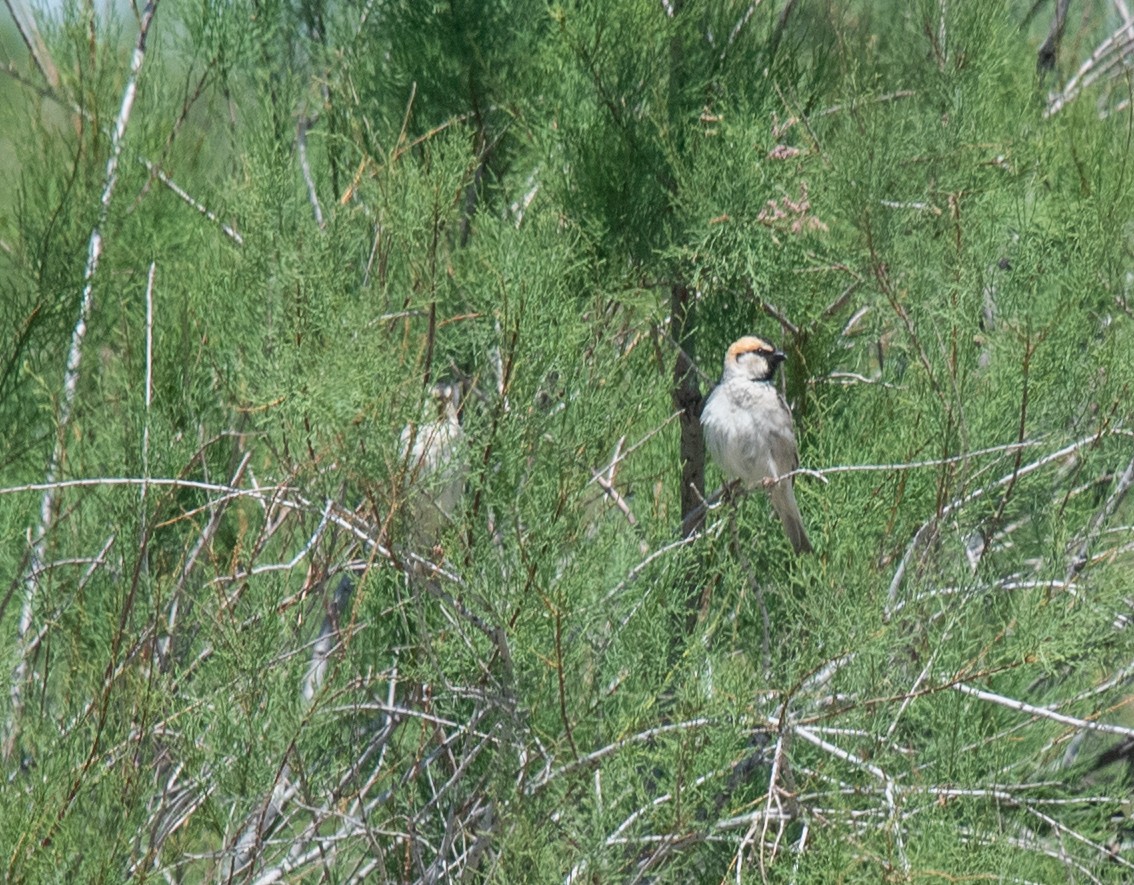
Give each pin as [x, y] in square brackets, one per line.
[792, 215]
[784, 152]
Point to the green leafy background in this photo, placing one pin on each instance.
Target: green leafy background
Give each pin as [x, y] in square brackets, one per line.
[560, 685]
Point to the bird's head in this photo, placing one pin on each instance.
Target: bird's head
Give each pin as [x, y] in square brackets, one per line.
[752, 358]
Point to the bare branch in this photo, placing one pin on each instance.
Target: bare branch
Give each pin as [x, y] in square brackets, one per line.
[29, 31]
[1079, 558]
[70, 385]
[187, 198]
[1042, 712]
[1105, 61]
[649, 734]
[308, 179]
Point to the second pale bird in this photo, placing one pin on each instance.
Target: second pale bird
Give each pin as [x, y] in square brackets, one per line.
[432, 450]
[748, 430]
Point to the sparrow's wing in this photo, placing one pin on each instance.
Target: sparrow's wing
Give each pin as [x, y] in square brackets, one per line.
[785, 452]
[785, 457]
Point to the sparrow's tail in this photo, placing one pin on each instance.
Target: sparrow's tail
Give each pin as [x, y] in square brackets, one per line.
[783, 500]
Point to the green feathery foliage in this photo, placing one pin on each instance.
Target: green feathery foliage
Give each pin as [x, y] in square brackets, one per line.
[351, 547]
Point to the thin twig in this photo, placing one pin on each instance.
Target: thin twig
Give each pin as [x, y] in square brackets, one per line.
[1042, 712]
[29, 31]
[621, 455]
[227, 229]
[48, 502]
[889, 787]
[1079, 559]
[305, 168]
[957, 503]
[1118, 45]
[824, 472]
[641, 737]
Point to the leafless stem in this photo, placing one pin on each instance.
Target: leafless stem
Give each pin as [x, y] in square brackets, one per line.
[1080, 556]
[227, 229]
[1105, 61]
[590, 758]
[308, 179]
[29, 31]
[1042, 712]
[1049, 51]
[957, 503]
[70, 387]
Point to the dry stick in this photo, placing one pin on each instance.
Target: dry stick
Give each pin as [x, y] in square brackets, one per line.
[1042, 712]
[1049, 52]
[187, 198]
[402, 145]
[329, 637]
[273, 814]
[1029, 352]
[957, 503]
[1118, 47]
[889, 787]
[780, 317]
[762, 820]
[354, 817]
[249, 842]
[561, 684]
[781, 27]
[1031, 842]
[822, 473]
[846, 379]
[605, 480]
[1123, 10]
[301, 148]
[738, 28]
[1003, 796]
[1120, 677]
[210, 528]
[841, 300]
[466, 759]
[616, 837]
[632, 576]
[143, 522]
[70, 386]
[1029, 807]
[620, 455]
[878, 99]
[637, 570]
[173, 808]
[1109, 854]
[1080, 559]
[1091, 70]
[520, 206]
[29, 31]
[641, 737]
[445, 871]
[941, 44]
[92, 565]
[263, 495]
[149, 380]
[615, 496]
[51, 93]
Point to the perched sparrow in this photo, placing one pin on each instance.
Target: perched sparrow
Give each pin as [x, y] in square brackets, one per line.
[435, 470]
[748, 430]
